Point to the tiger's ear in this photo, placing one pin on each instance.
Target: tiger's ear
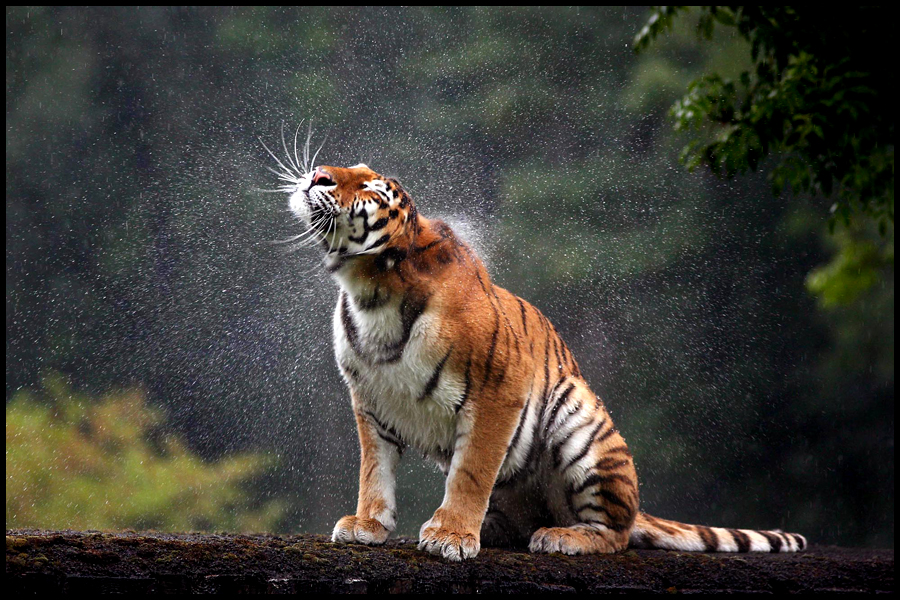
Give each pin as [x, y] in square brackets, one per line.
[405, 198]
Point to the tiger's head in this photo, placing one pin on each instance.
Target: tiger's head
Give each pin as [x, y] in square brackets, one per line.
[353, 211]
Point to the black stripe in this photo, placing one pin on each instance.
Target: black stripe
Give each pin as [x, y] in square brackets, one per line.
[384, 432]
[509, 325]
[775, 541]
[379, 224]
[375, 301]
[570, 359]
[349, 326]
[394, 255]
[340, 262]
[411, 308]
[612, 526]
[786, 538]
[544, 395]
[741, 539]
[504, 364]
[606, 435]
[500, 307]
[709, 537]
[524, 323]
[626, 479]
[800, 541]
[469, 474]
[350, 372]
[496, 307]
[613, 498]
[593, 507]
[559, 359]
[477, 271]
[556, 449]
[559, 403]
[610, 464]
[587, 446]
[556, 387]
[533, 453]
[523, 416]
[489, 363]
[389, 440]
[590, 481]
[428, 246]
[379, 242]
[468, 381]
[433, 380]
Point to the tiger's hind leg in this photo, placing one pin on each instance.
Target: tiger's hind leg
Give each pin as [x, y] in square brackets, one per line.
[514, 512]
[497, 530]
[595, 499]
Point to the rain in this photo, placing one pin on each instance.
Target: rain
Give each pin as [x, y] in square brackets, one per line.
[144, 267]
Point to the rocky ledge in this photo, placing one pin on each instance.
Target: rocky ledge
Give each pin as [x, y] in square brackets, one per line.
[98, 562]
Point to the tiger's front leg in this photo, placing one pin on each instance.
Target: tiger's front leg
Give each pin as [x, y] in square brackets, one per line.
[376, 508]
[482, 438]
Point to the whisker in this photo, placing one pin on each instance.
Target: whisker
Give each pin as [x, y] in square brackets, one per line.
[287, 152]
[287, 172]
[321, 226]
[306, 148]
[310, 231]
[296, 158]
[315, 231]
[284, 176]
[288, 240]
[320, 148]
[317, 264]
[285, 189]
[331, 244]
[313, 238]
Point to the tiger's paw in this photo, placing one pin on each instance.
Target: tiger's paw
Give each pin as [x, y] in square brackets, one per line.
[449, 543]
[570, 540]
[362, 531]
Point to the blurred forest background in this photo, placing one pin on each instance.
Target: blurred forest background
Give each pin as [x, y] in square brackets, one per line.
[168, 366]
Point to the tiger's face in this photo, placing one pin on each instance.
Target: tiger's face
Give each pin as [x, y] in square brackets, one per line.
[353, 210]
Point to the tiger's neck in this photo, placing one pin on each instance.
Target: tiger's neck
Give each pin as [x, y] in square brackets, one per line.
[418, 257]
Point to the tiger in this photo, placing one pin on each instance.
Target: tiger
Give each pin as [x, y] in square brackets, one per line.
[438, 358]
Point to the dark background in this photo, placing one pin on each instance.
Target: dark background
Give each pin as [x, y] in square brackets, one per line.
[140, 246]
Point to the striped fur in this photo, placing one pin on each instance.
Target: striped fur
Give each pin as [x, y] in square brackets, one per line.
[439, 358]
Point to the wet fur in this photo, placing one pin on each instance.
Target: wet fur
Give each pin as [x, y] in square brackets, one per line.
[439, 358]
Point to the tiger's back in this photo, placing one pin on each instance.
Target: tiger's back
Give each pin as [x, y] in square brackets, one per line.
[439, 358]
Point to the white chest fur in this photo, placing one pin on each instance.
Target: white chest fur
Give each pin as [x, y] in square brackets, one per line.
[393, 362]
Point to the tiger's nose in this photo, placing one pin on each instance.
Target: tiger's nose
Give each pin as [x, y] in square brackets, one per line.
[321, 177]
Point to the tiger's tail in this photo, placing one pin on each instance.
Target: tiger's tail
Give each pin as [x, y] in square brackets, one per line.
[652, 532]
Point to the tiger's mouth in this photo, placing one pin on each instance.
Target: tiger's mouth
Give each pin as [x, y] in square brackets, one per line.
[311, 200]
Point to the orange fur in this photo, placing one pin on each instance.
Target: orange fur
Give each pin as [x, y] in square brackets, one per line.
[531, 447]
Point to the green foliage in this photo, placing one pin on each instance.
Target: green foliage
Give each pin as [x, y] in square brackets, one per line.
[816, 97]
[859, 264]
[83, 463]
